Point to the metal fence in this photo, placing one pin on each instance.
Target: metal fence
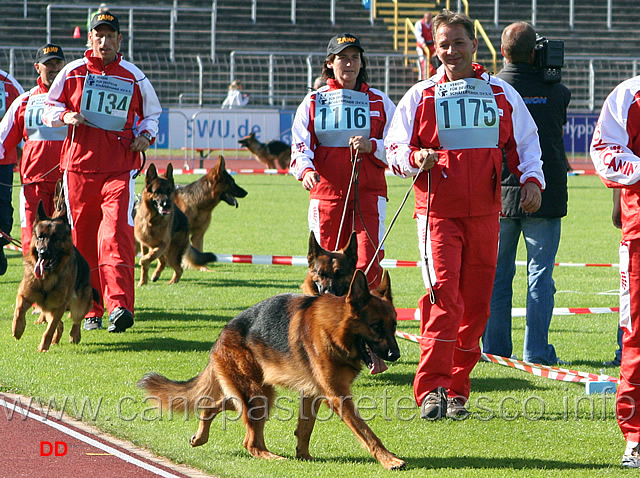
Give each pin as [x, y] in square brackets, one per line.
[281, 79]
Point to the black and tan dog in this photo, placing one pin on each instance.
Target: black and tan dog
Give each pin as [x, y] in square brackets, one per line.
[330, 272]
[198, 199]
[270, 154]
[56, 278]
[162, 229]
[312, 344]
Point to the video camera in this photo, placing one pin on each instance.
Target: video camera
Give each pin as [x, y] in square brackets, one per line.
[549, 59]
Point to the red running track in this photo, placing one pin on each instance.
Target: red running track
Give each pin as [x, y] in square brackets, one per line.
[30, 443]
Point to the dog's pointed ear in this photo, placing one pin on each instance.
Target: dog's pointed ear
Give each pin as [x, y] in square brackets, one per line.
[41, 215]
[169, 175]
[252, 135]
[351, 249]
[358, 291]
[219, 167]
[152, 173]
[314, 250]
[384, 289]
[59, 193]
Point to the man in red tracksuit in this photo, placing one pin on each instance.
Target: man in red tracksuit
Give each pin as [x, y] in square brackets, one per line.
[457, 125]
[99, 97]
[40, 162]
[424, 45]
[10, 89]
[615, 152]
[344, 120]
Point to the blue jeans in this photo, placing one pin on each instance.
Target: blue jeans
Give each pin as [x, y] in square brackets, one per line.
[542, 236]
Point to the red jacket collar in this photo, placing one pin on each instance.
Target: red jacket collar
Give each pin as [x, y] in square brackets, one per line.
[96, 63]
[478, 71]
[336, 85]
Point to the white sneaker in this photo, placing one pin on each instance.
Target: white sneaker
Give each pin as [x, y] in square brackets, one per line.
[631, 457]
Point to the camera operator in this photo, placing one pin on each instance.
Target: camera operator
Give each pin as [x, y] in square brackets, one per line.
[547, 102]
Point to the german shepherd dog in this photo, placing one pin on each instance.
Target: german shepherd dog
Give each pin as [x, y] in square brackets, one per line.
[312, 344]
[198, 199]
[163, 230]
[56, 277]
[268, 153]
[330, 272]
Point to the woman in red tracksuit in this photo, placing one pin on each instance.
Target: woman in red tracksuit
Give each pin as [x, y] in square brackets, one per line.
[457, 124]
[345, 120]
[99, 97]
[615, 152]
[39, 166]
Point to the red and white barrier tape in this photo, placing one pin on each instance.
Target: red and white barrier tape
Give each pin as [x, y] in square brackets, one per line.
[302, 260]
[257, 259]
[413, 314]
[230, 171]
[545, 371]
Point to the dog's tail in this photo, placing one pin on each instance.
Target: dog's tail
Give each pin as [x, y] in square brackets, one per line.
[199, 392]
[196, 258]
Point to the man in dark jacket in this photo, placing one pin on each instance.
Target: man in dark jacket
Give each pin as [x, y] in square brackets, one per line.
[547, 103]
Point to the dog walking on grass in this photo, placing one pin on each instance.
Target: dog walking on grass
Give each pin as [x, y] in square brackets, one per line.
[330, 272]
[56, 277]
[162, 229]
[274, 154]
[312, 344]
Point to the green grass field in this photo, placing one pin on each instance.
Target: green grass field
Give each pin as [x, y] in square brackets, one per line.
[521, 425]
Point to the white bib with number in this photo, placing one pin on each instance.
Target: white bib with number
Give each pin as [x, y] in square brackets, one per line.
[36, 130]
[467, 114]
[106, 100]
[341, 114]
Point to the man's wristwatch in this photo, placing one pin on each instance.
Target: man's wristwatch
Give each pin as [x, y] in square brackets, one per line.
[148, 136]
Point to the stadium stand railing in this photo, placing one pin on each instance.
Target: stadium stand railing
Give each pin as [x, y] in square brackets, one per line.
[600, 53]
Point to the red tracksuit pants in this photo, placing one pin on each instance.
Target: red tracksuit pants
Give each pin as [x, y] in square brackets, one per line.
[367, 220]
[100, 207]
[628, 395]
[30, 196]
[462, 253]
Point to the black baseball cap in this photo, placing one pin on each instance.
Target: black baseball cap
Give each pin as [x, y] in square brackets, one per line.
[342, 41]
[105, 18]
[48, 52]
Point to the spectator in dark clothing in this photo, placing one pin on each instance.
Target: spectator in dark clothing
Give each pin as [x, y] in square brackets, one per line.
[547, 103]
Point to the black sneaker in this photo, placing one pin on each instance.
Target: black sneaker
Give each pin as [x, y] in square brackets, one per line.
[612, 363]
[3, 261]
[92, 323]
[456, 410]
[120, 320]
[434, 406]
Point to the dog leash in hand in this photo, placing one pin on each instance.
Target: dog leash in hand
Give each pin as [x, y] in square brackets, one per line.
[119, 136]
[11, 240]
[395, 217]
[354, 162]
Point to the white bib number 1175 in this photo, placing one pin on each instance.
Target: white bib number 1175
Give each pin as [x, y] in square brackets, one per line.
[467, 115]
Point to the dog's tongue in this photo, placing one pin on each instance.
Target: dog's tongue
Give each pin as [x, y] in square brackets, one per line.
[38, 270]
[377, 364]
